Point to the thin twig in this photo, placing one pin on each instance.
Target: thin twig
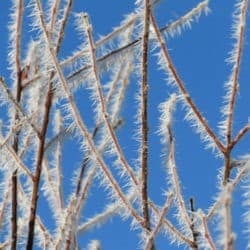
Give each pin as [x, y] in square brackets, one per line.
[182, 88]
[63, 25]
[144, 117]
[104, 112]
[107, 213]
[18, 161]
[18, 107]
[207, 234]
[54, 12]
[15, 143]
[38, 218]
[240, 135]
[154, 232]
[83, 128]
[175, 179]
[218, 202]
[236, 70]
[58, 158]
[234, 90]
[122, 49]
[4, 205]
[229, 238]
[48, 103]
[192, 226]
[40, 153]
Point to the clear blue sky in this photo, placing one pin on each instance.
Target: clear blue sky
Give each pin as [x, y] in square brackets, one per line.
[199, 55]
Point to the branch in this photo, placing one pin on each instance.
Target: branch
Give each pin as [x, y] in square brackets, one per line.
[103, 109]
[18, 84]
[144, 117]
[241, 133]
[172, 228]
[38, 169]
[25, 200]
[101, 217]
[54, 12]
[192, 226]
[63, 25]
[154, 232]
[233, 84]
[17, 160]
[218, 202]
[181, 86]
[207, 234]
[236, 55]
[4, 205]
[18, 107]
[58, 158]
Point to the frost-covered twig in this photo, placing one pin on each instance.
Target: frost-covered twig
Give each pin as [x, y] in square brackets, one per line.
[58, 157]
[234, 183]
[171, 229]
[17, 106]
[154, 232]
[192, 226]
[202, 124]
[207, 234]
[63, 23]
[232, 85]
[165, 131]
[18, 8]
[4, 205]
[144, 116]
[54, 13]
[235, 58]
[101, 100]
[44, 230]
[240, 135]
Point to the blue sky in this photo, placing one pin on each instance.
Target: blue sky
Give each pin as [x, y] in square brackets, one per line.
[199, 55]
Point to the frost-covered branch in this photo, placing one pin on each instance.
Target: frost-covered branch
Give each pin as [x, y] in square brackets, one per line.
[195, 114]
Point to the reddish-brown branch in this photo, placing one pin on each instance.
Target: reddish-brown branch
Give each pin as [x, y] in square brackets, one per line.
[15, 143]
[38, 171]
[236, 73]
[227, 167]
[241, 133]
[207, 234]
[182, 88]
[192, 226]
[38, 219]
[154, 232]
[144, 117]
[4, 204]
[235, 76]
[53, 17]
